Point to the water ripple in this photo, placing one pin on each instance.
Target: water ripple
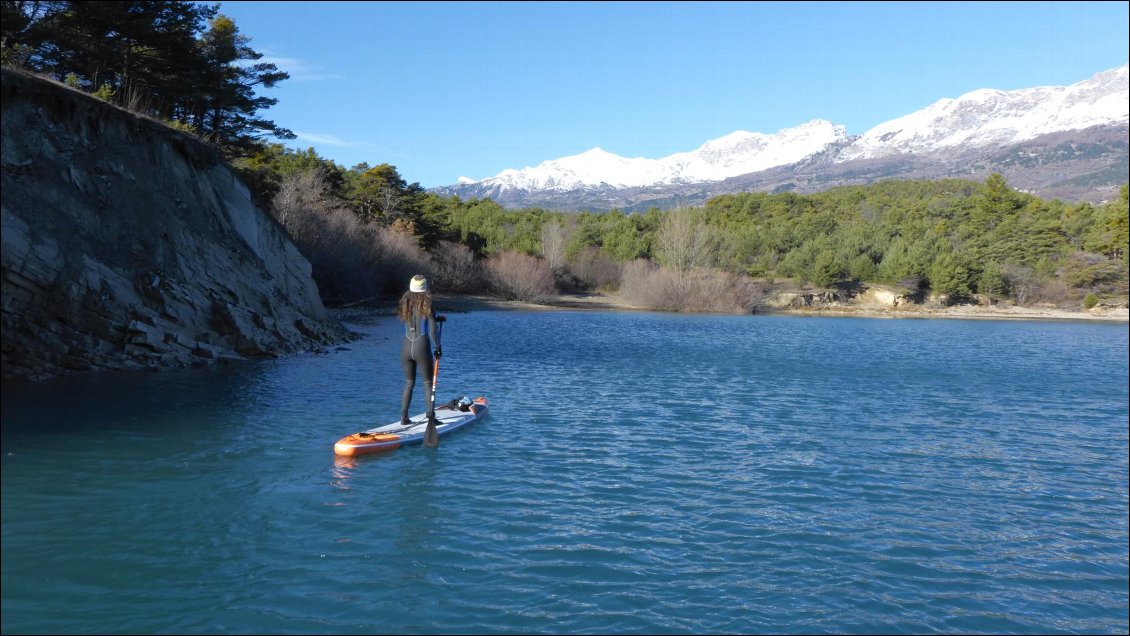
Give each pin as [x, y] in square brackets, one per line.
[637, 473]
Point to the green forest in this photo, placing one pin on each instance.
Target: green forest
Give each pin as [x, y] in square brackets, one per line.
[956, 238]
[366, 229]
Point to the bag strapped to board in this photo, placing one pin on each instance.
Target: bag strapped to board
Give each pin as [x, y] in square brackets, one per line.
[462, 403]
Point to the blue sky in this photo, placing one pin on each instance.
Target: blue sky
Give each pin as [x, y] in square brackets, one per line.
[449, 89]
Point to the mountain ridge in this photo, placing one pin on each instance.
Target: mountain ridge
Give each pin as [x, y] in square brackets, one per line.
[1067, 142]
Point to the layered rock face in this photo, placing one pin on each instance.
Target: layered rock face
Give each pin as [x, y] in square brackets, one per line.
[127, 244]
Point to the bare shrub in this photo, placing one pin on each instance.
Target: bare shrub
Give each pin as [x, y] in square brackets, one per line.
[455, 269]
[350, 260]
[644, 284]
[712, 290]
[299, 194]
[1054, 291]
[398, 259]
[1029, 287]
[520, 277]
[553, 241]
[1095, 273]
[339, 248]
[684, 242]
[1023, 282]
[595, 269]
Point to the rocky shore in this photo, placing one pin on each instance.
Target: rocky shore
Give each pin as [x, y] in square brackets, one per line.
[128, 245]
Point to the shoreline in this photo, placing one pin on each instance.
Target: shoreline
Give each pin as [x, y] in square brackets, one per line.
[603, 302]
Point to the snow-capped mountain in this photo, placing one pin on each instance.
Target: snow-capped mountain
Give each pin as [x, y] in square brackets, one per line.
[737, 153]
[989, 117]
[968, 136]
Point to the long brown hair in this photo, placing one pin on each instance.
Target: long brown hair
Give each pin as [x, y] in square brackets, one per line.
[418, 303]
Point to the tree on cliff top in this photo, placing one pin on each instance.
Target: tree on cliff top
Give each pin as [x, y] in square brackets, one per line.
[230, 110]
[153, 57]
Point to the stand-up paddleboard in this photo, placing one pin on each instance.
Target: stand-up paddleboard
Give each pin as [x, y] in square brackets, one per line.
[452, 416]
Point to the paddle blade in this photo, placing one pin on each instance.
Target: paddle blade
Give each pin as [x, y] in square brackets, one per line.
[431, 435]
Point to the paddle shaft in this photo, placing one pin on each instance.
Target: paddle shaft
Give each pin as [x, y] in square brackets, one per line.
[435, 366]
[435, 378]
[431, 435]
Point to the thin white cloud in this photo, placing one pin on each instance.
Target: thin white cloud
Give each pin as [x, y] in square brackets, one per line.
[331, 140]
[299, 70]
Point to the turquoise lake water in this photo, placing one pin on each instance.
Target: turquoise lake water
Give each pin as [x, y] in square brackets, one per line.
[637, 473]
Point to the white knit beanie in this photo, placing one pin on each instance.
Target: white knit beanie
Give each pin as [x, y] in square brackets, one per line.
[418, 284]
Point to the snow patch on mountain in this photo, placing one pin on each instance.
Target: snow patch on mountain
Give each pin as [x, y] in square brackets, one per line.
[988, 117]
[737, 153]
[950, 129]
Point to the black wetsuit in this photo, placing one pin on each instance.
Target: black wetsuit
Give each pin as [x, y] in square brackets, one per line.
[416, 349]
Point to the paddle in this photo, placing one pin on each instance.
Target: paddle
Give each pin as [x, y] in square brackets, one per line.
[431, 435]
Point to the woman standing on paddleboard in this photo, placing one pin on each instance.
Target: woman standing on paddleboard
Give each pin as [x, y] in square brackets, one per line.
[419, 318]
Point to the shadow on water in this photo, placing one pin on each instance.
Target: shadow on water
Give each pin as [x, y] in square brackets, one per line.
[174, 403]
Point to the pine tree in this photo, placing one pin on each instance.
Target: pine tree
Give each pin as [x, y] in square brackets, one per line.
[153, 57]
[228, 106]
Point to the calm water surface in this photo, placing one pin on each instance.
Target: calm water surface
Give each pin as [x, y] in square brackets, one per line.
[637, 473]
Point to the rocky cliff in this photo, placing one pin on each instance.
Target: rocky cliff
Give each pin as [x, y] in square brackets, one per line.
[127, 244]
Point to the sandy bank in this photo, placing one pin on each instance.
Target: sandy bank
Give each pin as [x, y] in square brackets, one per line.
[969, 312]
[607, 302]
